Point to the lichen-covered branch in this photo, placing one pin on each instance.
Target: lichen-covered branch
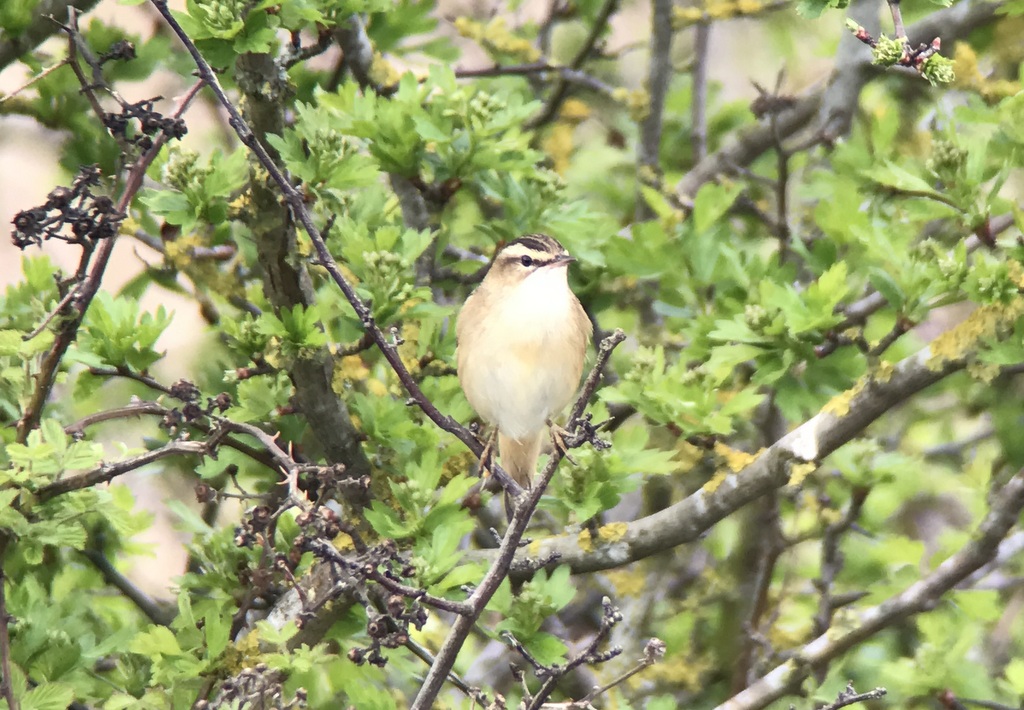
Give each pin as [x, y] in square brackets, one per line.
[837, 423]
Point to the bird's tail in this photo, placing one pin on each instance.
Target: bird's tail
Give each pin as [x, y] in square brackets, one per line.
[519, 459]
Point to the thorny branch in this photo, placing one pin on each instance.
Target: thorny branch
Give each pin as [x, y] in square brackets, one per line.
[590, 655]
[849, 696]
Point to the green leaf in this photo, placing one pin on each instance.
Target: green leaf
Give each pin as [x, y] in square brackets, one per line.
[1014, 672]
[217, 629]
[712, 202]
[546, 648]
[48, 696]
[155, 642]
[887, 286]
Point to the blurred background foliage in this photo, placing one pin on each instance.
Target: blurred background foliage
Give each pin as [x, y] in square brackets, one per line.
[865, 214]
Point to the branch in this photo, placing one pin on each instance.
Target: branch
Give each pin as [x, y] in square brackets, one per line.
[561, 89]
[160, 613]
[919, 597]
[522, 512]
[840, 421]
[658, 77]
[87, 289]
[835, 104]
[849, 696]
[106, 473]
[566, 74]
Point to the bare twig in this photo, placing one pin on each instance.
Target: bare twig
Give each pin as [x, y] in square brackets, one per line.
[86, 291]
[659, 74]
[135, 409]
[609, 618]
[563, 73]
[654, 649]
[108, 472]
[561, 89]
[849, 696]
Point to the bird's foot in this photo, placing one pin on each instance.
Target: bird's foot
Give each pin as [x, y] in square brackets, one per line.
[487, 455]
[558, 435]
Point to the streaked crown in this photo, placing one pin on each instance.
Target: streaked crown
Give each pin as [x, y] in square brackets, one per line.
[531, 252]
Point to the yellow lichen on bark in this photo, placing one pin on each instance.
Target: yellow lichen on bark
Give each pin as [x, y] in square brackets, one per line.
[799, 472]
[716, 480]
[839, 405]
[612, 532]
[986, 321]
[735, 459]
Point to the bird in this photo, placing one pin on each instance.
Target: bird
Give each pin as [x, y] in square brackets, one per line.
[522, 339]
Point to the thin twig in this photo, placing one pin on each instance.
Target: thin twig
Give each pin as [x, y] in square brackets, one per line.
[86, 291]
[590, 654]
[160, 613]
[849, 696]
[659, 74]
[61, 305]
[108, 472]
[897, 19]
[561, 89]
[135, 409]
[564, 73]
[653, 650]
[699, 106]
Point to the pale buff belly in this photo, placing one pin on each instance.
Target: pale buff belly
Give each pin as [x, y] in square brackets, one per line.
[521, 388]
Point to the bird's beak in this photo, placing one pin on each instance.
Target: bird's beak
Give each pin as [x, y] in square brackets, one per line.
[563, 259]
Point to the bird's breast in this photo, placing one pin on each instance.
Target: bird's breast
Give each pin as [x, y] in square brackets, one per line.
[526, 363]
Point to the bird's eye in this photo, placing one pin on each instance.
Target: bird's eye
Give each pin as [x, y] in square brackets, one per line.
[526, 260]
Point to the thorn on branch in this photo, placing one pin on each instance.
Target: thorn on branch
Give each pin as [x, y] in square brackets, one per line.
[849, 696]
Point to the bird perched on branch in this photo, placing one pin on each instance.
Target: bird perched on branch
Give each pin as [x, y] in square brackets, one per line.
[522, 340]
